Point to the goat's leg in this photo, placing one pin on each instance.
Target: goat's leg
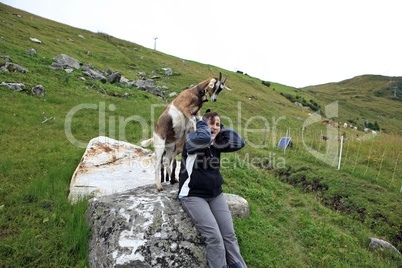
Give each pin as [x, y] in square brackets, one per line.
[159, 150]
[162, 170]
[173, 178]
[157, 171]
[167, 160]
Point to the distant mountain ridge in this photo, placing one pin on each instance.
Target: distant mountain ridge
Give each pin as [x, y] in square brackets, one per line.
[365, 97]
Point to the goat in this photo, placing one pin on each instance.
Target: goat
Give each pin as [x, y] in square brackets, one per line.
[177, 118]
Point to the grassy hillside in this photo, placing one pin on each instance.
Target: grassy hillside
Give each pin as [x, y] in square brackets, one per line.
[304, 212]
[366, 97]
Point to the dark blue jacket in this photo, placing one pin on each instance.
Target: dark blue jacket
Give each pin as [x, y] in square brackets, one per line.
[200, 164]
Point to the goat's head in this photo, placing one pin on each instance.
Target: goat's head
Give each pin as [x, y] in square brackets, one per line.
[216, 86]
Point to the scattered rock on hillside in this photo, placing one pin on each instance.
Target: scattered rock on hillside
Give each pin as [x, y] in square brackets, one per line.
[142, 84]
[298, 104]
[65, 60]
[6, 58]
[173, 94]
[38, 91]
[168, 71]
[14, 86]
[95, 74]
[107, 71]
[35, 40]
[12, 67]
[31, 51]
[114, 77]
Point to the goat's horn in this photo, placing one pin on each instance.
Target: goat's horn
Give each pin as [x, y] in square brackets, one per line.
[220, 76]
[225, 79]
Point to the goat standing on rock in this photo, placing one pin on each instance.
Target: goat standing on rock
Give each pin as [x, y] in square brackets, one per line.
[176, 120]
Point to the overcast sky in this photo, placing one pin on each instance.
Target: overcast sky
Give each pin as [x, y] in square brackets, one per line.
[293, 42]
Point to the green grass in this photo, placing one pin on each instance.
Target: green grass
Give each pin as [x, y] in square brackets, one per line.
[303, 212]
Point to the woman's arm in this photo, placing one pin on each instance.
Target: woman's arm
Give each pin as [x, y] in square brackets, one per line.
[229, 140]
[200, 138]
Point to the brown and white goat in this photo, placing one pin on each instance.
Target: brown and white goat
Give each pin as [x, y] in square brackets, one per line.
[177, 118]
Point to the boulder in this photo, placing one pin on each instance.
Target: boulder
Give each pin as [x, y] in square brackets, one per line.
[94, 74]
[67, 61]
[114, 77]
[142, 84]
[143, 228]
[38, 91]
[146, 228]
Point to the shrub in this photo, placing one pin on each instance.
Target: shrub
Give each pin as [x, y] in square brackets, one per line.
[266, 83]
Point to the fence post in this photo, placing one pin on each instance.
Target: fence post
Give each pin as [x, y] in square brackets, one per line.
[340, 154]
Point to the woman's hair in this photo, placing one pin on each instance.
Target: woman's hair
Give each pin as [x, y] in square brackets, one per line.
[210, 116]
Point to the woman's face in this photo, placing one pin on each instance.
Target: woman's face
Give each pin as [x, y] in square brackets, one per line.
[215, 127]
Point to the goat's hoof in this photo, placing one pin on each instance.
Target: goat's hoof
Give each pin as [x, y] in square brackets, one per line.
[160, 189]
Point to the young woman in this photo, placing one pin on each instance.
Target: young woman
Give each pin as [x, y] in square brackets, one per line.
[200, 189]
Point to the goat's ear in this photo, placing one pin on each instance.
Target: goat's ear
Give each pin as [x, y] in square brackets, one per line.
[225, 87]
[212, 83]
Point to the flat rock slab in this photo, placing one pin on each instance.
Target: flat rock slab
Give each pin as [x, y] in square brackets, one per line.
[109, 166]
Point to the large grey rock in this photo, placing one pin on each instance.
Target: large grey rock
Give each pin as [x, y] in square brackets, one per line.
[145, 228]
[94, 74]
[143, 84]
[67, 61]
[114, 77]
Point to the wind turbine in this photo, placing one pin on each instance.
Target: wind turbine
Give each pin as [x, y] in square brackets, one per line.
[155, 42]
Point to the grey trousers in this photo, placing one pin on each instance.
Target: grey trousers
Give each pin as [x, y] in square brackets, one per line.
[213, 220]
